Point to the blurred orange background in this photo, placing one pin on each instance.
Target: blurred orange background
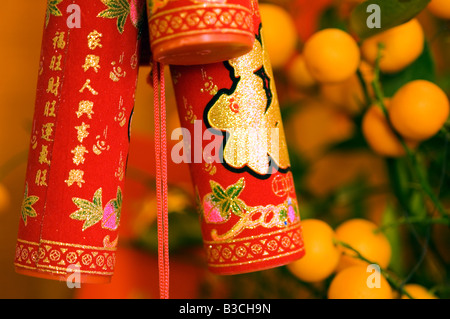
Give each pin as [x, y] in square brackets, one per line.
[319, 123]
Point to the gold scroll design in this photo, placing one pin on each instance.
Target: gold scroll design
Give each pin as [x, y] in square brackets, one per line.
[200, 19]
[218, 206]
[251, 115]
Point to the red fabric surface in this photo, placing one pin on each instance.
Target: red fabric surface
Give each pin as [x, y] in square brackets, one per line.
[80, 140]
[264, 229]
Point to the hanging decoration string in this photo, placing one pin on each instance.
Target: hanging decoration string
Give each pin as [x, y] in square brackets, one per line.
[161, 178]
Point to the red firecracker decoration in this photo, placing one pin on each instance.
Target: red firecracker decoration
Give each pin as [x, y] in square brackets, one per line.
[186, 32]
[80, 138]
[245, 190]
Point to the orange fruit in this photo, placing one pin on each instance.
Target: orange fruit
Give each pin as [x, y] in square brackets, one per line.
[419, 109]
[299, 74]
[331, 55]
[353, 283]
[379, 134]
[346, 95]
[315, 126]
[403, 44]
[417, 292]
[360, 235]
[440, 8]
[277, 21]
[321, 254]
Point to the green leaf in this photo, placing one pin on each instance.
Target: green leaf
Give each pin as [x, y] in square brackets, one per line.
[217, 190]
[97, 200]
[27, 205]
[233, 191]
[52, 9]
[119, 9]
[393, 13]
[90, 212]
[421, 69]
[225, 208]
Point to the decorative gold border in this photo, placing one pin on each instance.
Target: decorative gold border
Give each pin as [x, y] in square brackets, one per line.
[193, 32]
[108, 253]
[258, 260]
[208, 6]
[45, 241]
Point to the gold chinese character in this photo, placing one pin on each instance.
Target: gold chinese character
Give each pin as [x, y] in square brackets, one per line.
[82, 132]
[58, 40]
[94, 39]
[55, 64]
[43, 155]
[78, 154]
[75, 177]
[41, 178]
[117, 73]
[47, 131]
[91, 61]
[85, 107]
[53, 86]
[89, 87]
[49, 110]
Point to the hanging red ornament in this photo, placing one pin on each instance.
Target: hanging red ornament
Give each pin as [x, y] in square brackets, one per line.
[186, 32]
[234, 142]
[80, 138]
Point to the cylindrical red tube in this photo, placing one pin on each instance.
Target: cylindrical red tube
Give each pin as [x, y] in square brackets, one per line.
[233, 139]
[185, 32]
[80, 137]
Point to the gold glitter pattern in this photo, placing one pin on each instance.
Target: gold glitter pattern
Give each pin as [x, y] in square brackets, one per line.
[75, 177]
[78, 154]
[94, 39]
[91, 61]
[199, 19]
[82, 131]
[85, 107]
[255, 249]
[55, 257]
[251, 115]
[221, 204]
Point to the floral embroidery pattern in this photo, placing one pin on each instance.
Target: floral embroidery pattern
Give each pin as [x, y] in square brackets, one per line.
[27, 205]
[93, 212]
[117, 9]
[219, 205]
[52, 9]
